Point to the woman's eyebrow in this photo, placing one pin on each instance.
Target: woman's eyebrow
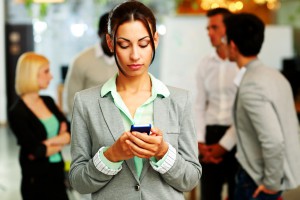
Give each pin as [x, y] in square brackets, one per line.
[129, 40]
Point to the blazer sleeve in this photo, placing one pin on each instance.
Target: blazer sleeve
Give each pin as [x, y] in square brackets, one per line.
[186, 171]
[264, 119]
[84, 176]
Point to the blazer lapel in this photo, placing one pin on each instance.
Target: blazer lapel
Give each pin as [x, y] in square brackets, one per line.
[160, 118]
[113, 119]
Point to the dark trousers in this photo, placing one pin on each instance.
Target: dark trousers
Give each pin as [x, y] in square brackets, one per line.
[47, 186]
[215, 175]
[246, 186]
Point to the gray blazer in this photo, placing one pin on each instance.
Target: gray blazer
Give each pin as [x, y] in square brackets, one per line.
[267, 128]
[97, 122]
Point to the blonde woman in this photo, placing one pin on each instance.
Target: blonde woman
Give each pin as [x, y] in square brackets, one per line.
[41, 130]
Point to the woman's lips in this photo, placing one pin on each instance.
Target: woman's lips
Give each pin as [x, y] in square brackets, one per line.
[135, 66]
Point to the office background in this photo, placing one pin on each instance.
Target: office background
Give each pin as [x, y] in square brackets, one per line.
[61, 30]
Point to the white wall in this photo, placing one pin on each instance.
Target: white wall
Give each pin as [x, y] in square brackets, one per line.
[3, 117]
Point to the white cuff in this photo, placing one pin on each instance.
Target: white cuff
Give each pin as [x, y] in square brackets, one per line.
[99, 164]
[168, 162]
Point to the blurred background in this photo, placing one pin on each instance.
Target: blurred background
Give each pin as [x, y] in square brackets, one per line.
[60, 29]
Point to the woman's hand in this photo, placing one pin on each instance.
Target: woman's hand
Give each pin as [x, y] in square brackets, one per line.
[63, 128]
[146, 146]
[119, 150]
[63, 137]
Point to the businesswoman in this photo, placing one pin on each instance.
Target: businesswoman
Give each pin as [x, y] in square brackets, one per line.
[108, 160]
[41, 130]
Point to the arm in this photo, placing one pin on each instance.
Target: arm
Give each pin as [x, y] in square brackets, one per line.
[55, 144]
[26, 134]
[84, 176]
[63, 137]
[267, 126]
[186, 171]
[226, 143]
[205, 151]
[200, 106]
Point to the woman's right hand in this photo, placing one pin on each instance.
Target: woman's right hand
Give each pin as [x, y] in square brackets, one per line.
[119, 150]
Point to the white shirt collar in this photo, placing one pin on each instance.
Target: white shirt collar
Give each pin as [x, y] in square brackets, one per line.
[99, 53]
[239, 77]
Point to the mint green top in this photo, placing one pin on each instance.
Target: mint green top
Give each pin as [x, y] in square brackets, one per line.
[51, 125]
[143, 115]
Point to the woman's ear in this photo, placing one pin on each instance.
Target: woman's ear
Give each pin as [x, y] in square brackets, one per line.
[156, 39]
[109, 42]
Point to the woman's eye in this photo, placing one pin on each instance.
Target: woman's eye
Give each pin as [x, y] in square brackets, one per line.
[123, 45]
[144, 44]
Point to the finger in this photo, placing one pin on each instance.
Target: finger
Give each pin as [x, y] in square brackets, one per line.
[256, 193]
[156, 131]
[142, 140]
[63, 127]
[137, 151]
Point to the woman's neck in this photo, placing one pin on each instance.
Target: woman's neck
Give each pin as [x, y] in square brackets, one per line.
[133, 84]
[32, 97]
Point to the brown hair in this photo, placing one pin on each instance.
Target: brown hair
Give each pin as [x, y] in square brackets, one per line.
[131, 11]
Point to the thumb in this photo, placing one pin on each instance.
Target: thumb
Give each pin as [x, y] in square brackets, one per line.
[63, 127]
[257, 191]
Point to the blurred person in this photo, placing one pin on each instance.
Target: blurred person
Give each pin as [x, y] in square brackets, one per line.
[41, 130]
[110, 161]
[93, 66]
[213, 108]
[267, 129]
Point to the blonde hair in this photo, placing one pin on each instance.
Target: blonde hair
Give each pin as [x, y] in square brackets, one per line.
[28, 67]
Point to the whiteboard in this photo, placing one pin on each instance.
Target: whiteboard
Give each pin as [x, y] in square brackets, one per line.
[186, 41]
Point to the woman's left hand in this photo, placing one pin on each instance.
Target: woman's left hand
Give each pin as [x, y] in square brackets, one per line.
[146, 146]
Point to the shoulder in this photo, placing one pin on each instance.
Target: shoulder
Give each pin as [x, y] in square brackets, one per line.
[47, 99]
[18, 111]
[16, 108]
[84, 55]
[204, 60]
[90, 93]
[264, 75]
[207, 63]
[178, 95]
[85, 52]
[264, 81]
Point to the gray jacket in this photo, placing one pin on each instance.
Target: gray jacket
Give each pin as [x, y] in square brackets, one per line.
[97, 122]
[267, 128]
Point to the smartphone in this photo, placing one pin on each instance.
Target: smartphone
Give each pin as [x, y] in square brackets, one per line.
[143, 128]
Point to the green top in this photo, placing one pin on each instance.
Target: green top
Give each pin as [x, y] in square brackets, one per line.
[143, 115]
[51, 125]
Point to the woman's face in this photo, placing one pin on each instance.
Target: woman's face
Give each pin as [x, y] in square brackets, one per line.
[133, 48]
[44, 76]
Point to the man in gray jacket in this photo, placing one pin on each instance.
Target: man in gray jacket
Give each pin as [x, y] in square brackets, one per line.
[268, 147]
